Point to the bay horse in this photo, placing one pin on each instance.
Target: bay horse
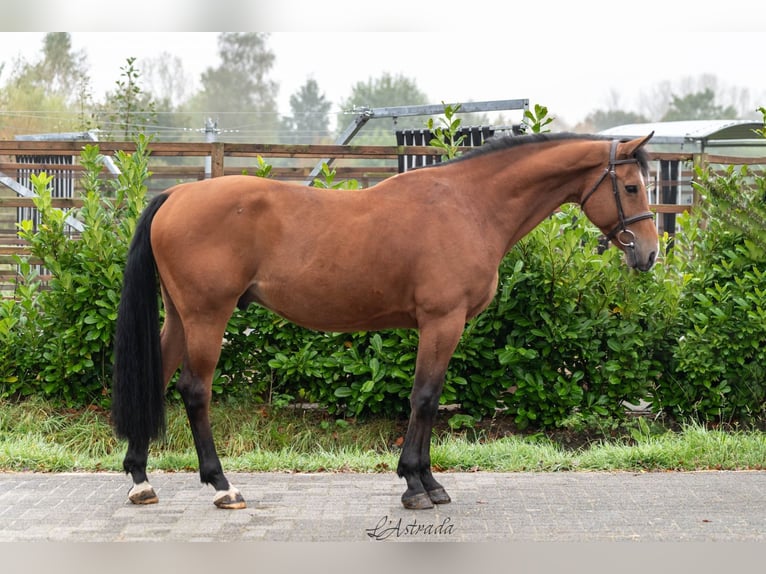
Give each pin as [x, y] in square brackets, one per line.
[418, 250]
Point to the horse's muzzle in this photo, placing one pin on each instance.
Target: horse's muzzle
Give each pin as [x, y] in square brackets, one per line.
[637, 258]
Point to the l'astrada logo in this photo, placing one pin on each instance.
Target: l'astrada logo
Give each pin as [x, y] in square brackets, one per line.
[398, 528]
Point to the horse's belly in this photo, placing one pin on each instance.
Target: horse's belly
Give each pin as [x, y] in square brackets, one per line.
[332, 307]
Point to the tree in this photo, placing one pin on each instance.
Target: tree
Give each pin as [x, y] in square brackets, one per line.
[170, 87]
[385, 91]
[238, 93]
[129, 110]
[166, 80]
[28, 109]
[38, 94]
[60, 71]
[599, 120]
[310, 109]
[695, 97]
[697, 106]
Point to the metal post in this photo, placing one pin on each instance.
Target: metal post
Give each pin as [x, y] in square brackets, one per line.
[211, 136]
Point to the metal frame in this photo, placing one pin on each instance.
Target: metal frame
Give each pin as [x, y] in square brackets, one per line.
[365, 114]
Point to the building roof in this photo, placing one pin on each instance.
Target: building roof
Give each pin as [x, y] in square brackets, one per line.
[62, 136]
[695, 135]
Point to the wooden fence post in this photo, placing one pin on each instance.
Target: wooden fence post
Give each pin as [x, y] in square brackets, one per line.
[216, 164]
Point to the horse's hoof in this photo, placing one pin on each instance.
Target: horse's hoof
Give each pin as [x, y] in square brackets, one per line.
[419, 501]
[439, 496]
[230, 500]
[143, 494]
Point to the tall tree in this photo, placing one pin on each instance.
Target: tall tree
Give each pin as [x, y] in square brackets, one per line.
[128, 110]
[170, 86]
[166, 80]
[698, 106]
[61, 69]
[38, 93]
[310, 110]
[238, 93]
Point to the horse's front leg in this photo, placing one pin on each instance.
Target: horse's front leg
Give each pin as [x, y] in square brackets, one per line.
[438, 339]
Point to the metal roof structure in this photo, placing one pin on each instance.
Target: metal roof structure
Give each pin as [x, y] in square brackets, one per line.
[697, 136]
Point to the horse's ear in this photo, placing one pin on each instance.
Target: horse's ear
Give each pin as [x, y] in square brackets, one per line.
[646, 139]
[632, 146]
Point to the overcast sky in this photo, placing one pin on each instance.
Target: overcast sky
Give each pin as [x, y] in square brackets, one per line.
[573, 57]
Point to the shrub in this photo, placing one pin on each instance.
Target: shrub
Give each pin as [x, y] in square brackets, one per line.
[67, 328]
[570, 330]
[718, 370]
[20, 338]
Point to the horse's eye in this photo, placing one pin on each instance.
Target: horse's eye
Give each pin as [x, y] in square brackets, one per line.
[631, 188]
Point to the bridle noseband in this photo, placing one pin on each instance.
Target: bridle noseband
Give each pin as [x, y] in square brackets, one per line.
[620, 230]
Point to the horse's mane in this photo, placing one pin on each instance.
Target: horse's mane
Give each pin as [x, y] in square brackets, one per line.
[503, 142]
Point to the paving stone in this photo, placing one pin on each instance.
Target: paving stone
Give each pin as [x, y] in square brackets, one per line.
[348, 507]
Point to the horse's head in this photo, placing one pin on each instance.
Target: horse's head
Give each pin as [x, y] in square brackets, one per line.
[618, 203]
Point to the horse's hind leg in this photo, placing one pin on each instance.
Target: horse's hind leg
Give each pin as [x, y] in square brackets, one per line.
[438, 339]
[172, 344]
[203, 348]
[135, 463]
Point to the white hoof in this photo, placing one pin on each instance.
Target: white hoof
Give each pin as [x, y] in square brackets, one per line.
[229, 499]
[142, 494]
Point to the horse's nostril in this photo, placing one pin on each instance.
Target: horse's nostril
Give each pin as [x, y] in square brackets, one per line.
[652, 257]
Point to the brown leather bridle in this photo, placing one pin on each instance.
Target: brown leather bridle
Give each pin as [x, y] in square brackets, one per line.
[620, 230]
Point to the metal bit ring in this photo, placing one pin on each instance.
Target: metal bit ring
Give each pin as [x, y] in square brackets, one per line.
[631, 243]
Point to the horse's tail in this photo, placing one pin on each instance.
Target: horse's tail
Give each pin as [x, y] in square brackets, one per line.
[138, 391]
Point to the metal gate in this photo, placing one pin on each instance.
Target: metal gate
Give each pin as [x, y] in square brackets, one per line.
[472, 137]
[62, 185]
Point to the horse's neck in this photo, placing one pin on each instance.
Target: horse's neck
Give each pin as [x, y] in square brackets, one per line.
[520, 193]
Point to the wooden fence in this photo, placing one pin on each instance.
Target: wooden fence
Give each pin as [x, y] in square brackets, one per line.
[171, 163]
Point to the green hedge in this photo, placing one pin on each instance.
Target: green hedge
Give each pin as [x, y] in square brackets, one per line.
[57, 341]
[571, 333]
[717, 370]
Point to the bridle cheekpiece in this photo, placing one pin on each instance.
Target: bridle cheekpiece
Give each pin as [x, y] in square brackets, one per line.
[624, 236]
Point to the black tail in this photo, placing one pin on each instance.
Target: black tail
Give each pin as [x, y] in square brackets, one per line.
[138, 394]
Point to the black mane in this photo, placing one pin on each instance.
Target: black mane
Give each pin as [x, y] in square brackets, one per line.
[503, 142]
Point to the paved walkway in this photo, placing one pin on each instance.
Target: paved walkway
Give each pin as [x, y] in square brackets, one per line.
[579, 507]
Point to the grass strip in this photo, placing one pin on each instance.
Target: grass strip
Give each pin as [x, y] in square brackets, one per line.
[35, 436]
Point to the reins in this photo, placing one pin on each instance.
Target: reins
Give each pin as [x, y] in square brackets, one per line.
[621, 229]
